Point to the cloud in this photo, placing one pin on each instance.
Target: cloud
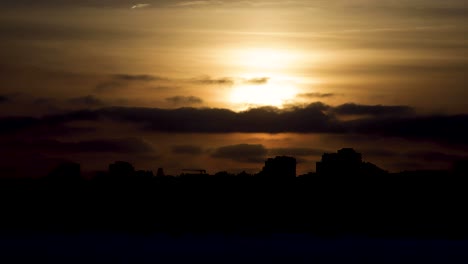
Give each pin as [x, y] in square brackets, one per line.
[372, 110]
[210, 120]
[184, 100]
[187, 149]
[381, 121]
[438, 128]
[242, 153]
[52, 124]
[118, 81]
[108, 86]
[88, 100]
[315, 95]
[138, 77]
[207, 80]
[314, 118]
[137, 6]
[257, 81]
[213, 81]
[198, 3]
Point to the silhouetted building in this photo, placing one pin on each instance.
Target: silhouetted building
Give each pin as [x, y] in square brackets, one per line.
[460, 167]
[346, 160]
[243, 174]
[370, 169]
[121, 169]
[195, 171]
[222, 174]
[160, 172]
[66, 171]
[280, 167]
[144, 174]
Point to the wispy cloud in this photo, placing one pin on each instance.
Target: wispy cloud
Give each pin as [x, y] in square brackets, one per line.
[213, 81]
[315, 95]
[257, 81]
[198, 3]
[137, 6]
[139, 77]
[207, 80]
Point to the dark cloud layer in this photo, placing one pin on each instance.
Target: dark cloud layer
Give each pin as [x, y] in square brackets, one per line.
[88, 100]
[314, 118]
[184, 100]
[390, 121]
[242, 153]
[373, 110]
[52, 123]
[208, 120]
[439, 128]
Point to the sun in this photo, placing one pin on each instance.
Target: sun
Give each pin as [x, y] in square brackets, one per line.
[273, 63]
[277, 95]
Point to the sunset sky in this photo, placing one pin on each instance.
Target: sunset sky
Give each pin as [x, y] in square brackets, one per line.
[222, 85]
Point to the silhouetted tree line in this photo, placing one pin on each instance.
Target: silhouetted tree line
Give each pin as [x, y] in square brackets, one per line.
[344, 196]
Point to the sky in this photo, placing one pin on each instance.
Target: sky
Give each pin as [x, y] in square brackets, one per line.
[223, 85]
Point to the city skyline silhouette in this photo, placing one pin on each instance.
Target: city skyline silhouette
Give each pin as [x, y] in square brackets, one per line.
[233, 131]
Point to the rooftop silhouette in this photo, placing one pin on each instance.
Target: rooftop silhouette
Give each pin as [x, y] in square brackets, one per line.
[346, 162]
[335, 200]
[282, 167]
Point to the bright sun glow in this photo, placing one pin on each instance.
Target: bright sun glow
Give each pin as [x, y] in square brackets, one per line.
[263, 59]
[262, 95]
[265, 62]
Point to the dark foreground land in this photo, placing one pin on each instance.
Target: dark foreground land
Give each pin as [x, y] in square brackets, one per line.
[387, 206]
[304, 219]
[119, 247]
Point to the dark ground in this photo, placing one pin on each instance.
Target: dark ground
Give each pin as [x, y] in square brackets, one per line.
[233, 219]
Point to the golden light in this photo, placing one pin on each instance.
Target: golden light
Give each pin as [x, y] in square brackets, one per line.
[263, 59]
[245, 96]
[274, 63]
